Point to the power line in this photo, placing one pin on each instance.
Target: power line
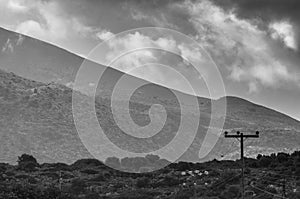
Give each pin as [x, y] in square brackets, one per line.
[226, 180]
[266, 175]
[274, 173]
[283, 184]
[267, 192]
[272, 182]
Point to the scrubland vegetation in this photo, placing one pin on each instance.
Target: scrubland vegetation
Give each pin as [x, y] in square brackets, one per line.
[265, 177]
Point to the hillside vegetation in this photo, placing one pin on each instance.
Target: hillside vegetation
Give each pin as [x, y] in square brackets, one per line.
[266, 177]
[36, 118]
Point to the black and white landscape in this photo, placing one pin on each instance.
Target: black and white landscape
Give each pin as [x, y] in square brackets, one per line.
[255, 46]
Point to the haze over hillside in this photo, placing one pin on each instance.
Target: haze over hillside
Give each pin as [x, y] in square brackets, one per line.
[36, 117]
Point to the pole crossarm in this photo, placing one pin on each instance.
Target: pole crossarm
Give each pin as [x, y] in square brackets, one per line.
[239, 135]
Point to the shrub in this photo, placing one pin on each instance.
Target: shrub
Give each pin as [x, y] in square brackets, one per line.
[32, 180]
[265, 161]
[259, 156]
[26, 158]
[89, 171]
[214, 173]
[296, 154]
[247, 171]
[3, 167]
[22, 176]
[184, 194]
[51, 175]
[183, 166]
[83, 163]
[10, 173]
[232, 192]
[171, 181]
[92, 196]
[288, 163]
[142, 182]
[271, 190]
[56, 167]
[297, 171]
[293, 195]
[98, 178]
[28, 166]
[253, 165]
[24, 191]
[78, 186]
[54, 193]
[282, 157]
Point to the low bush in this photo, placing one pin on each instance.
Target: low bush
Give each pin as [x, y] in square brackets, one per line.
[232, 192]
[142, 182]
[78, 186]
[89, 171]
[84, 163]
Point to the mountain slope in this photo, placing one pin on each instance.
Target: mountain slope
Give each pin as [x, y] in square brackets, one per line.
[277, 131]
[37, 117]
[36, 60]
[40, 61]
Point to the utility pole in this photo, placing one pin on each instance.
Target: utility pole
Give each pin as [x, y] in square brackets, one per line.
[241, 137]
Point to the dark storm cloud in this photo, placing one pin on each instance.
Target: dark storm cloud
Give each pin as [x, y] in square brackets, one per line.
[267, 10]
[169, 13]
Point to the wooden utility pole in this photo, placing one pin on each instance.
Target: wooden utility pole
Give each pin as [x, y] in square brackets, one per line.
[241, 137]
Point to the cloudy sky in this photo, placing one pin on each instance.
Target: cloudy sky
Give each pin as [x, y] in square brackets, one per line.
[255, 43]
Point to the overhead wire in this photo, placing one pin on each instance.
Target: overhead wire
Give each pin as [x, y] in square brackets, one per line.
[286, 186]
[267, 192]
[226, 180]
[274, 173]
